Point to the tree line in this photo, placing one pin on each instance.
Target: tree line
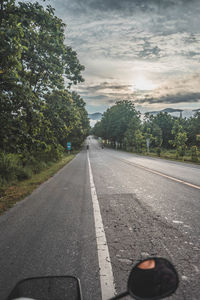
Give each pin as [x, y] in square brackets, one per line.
[121, 126]
[38, 111]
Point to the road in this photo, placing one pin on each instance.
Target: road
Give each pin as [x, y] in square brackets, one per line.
[149, 207]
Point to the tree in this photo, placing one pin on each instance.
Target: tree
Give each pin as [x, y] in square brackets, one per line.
[165, 122]
[180, 138]
[11, 47]
[35, 65]
[62, 113]
[45, 60]
[97, 130]
[157, 135]
[132, 132]
[139, 141]
[193, 129]
[116, 120]
[82, 127]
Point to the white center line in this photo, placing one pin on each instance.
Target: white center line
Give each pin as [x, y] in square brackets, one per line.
[105, 267]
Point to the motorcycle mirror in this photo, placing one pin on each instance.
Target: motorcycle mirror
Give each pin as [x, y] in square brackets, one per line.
[51, 288]
[152, 279]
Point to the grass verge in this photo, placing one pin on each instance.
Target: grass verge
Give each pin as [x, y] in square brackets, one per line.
[165, 154]
[171, 155]
[13, 193]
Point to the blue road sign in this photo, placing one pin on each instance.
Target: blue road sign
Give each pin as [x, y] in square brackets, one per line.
[69, 146]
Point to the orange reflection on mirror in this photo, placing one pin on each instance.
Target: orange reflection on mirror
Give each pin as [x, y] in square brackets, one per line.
[147, 264]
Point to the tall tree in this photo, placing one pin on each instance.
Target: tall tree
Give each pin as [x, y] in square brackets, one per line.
[46, 60]
[35, 63]
[116, 120]
[82, 127]
[180, 138]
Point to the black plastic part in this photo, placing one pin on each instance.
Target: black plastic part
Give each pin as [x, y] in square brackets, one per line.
[29, 288]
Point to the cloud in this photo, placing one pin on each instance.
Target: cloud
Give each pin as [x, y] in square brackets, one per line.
[104, 86]
[129, 6]
[172, 99]
[175, 90]
[118, 41]
[99, 97]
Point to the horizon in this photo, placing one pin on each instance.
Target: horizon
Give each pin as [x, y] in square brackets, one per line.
[175, 110]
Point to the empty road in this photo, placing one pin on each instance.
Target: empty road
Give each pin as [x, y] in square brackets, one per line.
[148, 207]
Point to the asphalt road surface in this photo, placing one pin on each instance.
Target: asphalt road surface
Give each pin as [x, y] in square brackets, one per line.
[149, 207]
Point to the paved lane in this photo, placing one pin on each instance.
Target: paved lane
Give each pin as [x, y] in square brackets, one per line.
[52, 232]
[189, 173]
[147, 214]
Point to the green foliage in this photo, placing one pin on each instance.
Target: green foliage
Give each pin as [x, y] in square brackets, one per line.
[45, 59]
[82, 126]
[139, 141]
[180, 138]
[160, 127]
[116, 121]
[193, 129]
[11, 47]
[9, 166]
[194, 153]
[37, 114]
[158, 151]
[121, 123]
[24, 173]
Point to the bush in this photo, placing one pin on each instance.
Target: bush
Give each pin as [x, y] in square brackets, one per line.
[39, 166]
[21, 166]
[9, 166]
[56, 152]
[158, 151]
[194, 153]
[180, 152]
[2, 183]
[24, 173]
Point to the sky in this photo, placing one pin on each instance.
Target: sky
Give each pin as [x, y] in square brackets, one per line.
[146, 51]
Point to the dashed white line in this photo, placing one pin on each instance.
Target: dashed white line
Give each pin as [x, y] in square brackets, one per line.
[105, 267]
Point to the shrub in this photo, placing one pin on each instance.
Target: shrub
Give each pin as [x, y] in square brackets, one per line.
[56, 152]
[180, 152]
[194, 153]
[9, 166]
[158, 151]
[39, 166]
[2, 183]
[24, 173]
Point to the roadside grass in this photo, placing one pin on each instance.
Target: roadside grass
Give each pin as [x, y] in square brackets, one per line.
[10, 195]
[171, 155]
[165, 154]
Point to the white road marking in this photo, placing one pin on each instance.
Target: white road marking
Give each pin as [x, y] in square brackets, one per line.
[105, 267]
[177, 222]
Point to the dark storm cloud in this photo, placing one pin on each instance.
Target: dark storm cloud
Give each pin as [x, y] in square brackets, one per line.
[103, 86]
[99, 97]
[172, 99]
[125, 5]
